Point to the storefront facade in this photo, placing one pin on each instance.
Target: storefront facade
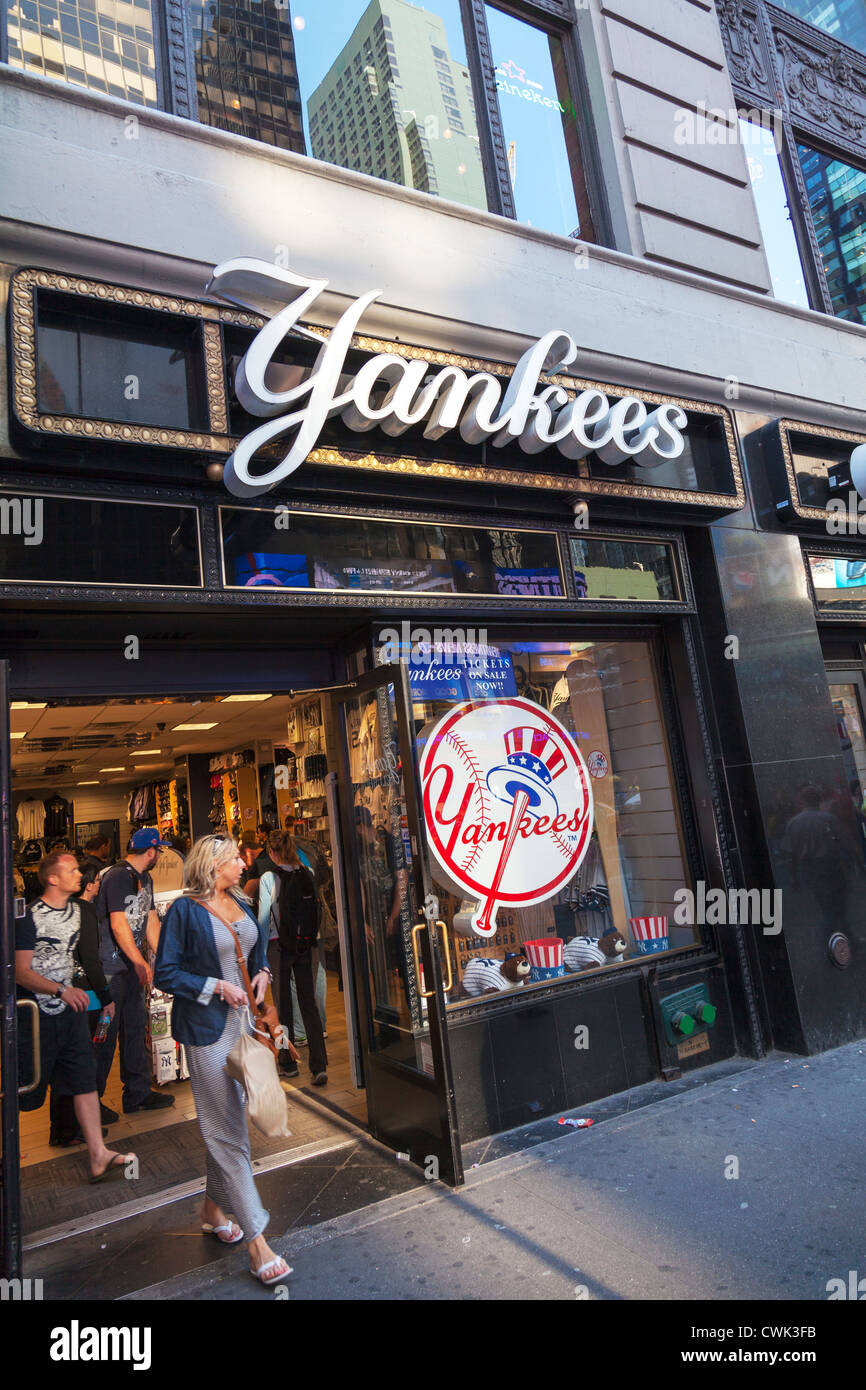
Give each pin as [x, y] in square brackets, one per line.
[527, 602]
[601, 591]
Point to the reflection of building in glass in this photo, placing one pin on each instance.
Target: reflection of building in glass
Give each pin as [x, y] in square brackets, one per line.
[106, 45]
[246, 74]
[395, 104]
[837, 196]
[844, 19]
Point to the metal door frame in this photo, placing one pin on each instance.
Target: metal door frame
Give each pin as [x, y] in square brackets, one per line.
[425, 911]
[10, 1169]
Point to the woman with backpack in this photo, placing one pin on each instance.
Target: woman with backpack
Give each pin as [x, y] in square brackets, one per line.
[289, 906]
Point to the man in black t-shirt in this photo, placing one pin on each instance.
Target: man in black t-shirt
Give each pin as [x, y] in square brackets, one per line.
[45, 940]
[127, 924]
[97, 856]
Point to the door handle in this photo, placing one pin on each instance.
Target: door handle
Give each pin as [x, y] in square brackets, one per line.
[37, 1056]
[424, 993]
[446, 985]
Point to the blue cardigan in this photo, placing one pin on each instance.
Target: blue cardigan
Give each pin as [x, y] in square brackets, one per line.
[187, 966]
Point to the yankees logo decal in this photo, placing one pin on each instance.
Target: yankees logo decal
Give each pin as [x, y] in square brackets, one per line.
[507, 803]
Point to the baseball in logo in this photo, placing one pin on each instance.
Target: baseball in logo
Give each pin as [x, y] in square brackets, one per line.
[507, 804]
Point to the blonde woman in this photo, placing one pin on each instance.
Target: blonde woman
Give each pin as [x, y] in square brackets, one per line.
[197, 963]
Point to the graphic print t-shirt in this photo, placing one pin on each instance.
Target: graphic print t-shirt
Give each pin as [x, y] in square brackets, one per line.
[51, 933]
[123, 890]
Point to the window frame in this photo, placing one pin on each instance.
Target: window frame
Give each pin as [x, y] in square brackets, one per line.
[758, 73]
[176, 83]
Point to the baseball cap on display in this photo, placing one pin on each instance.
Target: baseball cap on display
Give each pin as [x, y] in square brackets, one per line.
[148, 839]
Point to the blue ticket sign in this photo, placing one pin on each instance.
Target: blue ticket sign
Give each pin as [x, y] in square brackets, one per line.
[439, 675]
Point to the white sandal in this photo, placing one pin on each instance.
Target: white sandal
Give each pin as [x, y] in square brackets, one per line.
[229, 1226]
[260, 1272]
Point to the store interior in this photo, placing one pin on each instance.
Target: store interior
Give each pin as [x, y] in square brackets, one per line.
[191, 766]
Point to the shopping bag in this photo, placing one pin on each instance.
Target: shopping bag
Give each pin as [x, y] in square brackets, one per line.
[254, 1067]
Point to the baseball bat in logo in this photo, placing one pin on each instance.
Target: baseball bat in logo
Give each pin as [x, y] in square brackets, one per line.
[507, 804]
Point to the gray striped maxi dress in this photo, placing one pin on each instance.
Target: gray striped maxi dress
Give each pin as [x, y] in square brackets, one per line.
[221, 1103]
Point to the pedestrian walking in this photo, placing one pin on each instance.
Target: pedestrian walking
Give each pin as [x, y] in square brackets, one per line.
[289, 904]
[197, 963]
[45, 940]
[127, 923]
[90, 977]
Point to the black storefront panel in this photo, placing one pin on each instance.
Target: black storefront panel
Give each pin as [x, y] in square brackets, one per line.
[531, 1060]
[521, 1064]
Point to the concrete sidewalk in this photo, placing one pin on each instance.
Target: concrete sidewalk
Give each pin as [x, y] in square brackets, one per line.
[637, 1207]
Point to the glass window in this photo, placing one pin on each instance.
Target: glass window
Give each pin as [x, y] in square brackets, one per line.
[65, 30]
[540, 123]
[246, 75]
[821, 468]
[587, 871]
[774, 214]
[83, 540]
[849, 718]
[623, 569]
[837, 197]
[314, 551]
[839, 584]
[844, 19]
[330, 66]
[120, 365]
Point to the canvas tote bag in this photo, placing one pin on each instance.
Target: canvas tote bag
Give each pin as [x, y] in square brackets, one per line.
[252, 1062]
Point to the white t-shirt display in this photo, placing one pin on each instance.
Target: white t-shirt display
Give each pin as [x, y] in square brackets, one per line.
[30, 819]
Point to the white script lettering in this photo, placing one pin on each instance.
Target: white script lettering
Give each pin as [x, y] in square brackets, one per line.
[394, 393]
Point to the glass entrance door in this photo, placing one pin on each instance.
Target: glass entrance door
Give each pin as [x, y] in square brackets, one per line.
[847, 691]
[402, 969]
[10, 1180]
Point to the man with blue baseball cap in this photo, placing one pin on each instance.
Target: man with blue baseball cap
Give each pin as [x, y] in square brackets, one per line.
[126, 920]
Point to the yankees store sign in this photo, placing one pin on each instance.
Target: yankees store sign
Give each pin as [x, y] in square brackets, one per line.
[507, 804]
[394, 393]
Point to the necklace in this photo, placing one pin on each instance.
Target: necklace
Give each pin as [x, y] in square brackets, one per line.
[227, 905]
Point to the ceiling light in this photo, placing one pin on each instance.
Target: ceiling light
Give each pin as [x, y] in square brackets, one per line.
[27, 704]
[112, 769]
[93, 783]
[144, 752]
[227, 699]
[185, 728]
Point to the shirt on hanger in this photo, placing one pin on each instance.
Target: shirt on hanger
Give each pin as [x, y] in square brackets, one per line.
[58, 816]
[30, 819]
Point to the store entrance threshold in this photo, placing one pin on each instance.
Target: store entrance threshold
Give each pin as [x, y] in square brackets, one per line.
[142, 1242]
[58, 1202]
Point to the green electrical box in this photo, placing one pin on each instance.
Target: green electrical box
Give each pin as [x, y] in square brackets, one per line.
[687, 1014]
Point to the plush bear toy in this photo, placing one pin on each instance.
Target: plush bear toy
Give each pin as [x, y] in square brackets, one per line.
[483, 976]
[614, 945]
[583, 953]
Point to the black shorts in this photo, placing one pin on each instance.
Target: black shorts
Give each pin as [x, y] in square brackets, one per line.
[68, 1060]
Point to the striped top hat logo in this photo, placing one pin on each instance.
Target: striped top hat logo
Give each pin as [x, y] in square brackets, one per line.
[507, 804]
[534, 751]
